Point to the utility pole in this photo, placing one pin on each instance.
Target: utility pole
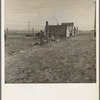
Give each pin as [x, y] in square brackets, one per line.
[29, 26]
[95, 21]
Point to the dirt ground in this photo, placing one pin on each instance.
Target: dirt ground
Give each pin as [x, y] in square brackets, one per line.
[70, 60]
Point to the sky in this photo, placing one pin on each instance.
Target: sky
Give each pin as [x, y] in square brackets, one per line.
[18, 13]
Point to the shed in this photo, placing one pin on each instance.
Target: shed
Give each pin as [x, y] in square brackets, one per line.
[63, 30]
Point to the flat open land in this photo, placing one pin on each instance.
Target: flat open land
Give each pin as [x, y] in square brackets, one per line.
[70, 60]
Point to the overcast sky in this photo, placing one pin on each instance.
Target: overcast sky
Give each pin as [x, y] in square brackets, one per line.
[19, 12]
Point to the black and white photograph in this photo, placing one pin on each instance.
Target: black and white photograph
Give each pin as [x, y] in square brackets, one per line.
[50, 41]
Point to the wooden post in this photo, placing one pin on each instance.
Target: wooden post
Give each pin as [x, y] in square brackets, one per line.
[7, 30]
[77, 29]
[5, 34]
[47, 31]
[74, 31]
[33, 32]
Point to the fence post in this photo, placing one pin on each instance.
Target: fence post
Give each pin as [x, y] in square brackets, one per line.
[47, 31]
[74, 31]
[6, 33]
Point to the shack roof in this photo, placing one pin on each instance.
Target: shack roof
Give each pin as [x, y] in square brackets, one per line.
[68, 24]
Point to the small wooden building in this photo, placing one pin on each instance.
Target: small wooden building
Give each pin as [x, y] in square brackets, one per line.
[63, 30]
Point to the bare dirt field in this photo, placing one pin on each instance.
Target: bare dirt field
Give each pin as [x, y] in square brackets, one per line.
[70, 60]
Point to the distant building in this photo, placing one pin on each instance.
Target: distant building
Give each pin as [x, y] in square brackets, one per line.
[63, 30]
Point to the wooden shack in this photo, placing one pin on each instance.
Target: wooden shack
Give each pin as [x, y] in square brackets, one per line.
[63, 30]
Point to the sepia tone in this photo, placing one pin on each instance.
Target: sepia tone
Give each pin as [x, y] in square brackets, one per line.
[50, 41]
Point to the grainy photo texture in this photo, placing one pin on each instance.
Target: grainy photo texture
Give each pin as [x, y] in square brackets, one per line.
[50, 41]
